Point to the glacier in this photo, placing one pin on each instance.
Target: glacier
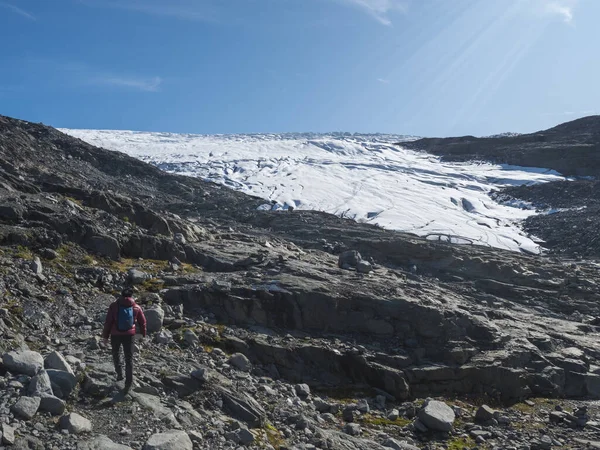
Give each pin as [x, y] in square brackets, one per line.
[359, 176]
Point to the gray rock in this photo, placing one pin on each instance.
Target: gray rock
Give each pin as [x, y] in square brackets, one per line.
[62, 382]
[26, 407]
[136, 276]
[52, 405]
[437, 416]
[23, 362]
[36, 266]
[170, 440]
[28, 443]
[75, 424]
[321, 405]
[104, 245]
[153, 404]
[179, 238]
[243, 407]
[484, 414]
[393, 414]
[398, 445]
[164, 337]
[302, 390]
[342, 441]
[97, 384]
[101, 443]
[56, 361]
[349, 259]
[244, 436]
[353, 429]
[363, 406]
[239, 361]
[154, 319]
[8, 434]
[40, 385]
[190, 338]
[364, 267]
[201, 374]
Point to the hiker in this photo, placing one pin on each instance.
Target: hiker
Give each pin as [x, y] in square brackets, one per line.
[121, 319]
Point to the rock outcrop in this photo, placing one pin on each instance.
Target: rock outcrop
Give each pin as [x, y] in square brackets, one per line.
[290, 330]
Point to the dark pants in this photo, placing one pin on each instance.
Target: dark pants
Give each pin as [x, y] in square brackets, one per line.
[127, 343]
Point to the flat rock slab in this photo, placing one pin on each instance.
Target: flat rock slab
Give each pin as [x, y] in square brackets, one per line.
[75, 423]
[101, 443]
[437, 416]
[23, 362]
[52, 405]
[40, 385]
[170, 440]
[26, 407]
[55, 360]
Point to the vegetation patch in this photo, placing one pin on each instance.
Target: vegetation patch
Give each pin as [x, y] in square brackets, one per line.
[384, 422]
[461, 443]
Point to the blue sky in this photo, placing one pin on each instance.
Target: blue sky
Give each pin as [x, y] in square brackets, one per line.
[422, 67]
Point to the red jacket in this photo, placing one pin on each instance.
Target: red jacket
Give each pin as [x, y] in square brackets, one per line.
[110, 325]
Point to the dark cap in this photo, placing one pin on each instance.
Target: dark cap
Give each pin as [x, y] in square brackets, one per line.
[127, 292]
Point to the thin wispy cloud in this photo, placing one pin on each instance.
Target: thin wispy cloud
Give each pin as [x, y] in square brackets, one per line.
[69, 74]
[563, 9]
[140, 84]
[378, 9]
[383, 81]
[191, 10]
[17, 10]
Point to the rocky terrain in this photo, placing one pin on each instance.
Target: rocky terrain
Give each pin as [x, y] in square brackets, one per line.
[285, 330]
[571, 220]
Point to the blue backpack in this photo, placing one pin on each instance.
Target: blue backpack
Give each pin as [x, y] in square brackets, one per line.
[125, 318]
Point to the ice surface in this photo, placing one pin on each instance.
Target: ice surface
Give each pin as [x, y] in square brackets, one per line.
[364, 177]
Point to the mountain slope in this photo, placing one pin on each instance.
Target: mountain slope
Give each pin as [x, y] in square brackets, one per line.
[572, 148]
[310, 320]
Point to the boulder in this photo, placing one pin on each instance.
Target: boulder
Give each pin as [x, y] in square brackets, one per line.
[56, 361]
[75, 424]
[101, 443]
[40, 385]
[36, 266]
[364, 267]
[26, 407]
[23, 362]
[97, 384]
[239, 361]
[437, 416]
[243, 407]
[243, 436]
[395, 444]
[349, 259]
[484, 414]
[104, 245]
[190, 338]
[62, 382]
[154, 319]
[52, 405]
[8, 434]
[164, 337]
[302, 390]
[135, 276]
[170, 440]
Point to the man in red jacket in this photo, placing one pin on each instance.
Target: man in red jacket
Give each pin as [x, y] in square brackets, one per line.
[120, 323]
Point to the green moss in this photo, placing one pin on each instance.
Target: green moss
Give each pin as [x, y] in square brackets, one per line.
[23, 252]
[274, 436]
[461, 443]
[383, 422]
[153, 285]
